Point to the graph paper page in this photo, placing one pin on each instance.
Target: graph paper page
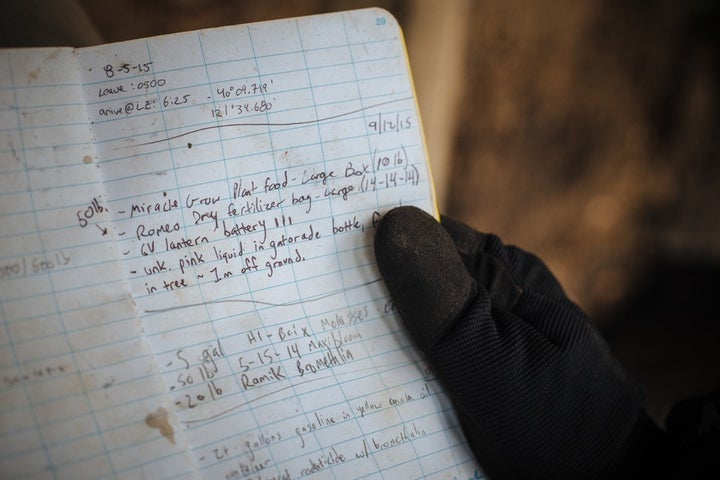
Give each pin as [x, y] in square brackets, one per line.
[241, 174]
[79, 384]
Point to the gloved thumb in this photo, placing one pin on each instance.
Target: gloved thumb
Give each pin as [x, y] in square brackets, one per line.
[424, 273]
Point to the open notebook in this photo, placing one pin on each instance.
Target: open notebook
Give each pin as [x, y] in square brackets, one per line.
[187, 285]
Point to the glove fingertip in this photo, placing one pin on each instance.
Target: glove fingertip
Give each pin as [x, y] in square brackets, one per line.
[423, 272]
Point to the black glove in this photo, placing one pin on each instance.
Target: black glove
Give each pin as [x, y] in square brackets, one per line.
[535, 387]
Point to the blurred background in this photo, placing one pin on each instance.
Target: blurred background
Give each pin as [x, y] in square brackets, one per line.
[585, 132]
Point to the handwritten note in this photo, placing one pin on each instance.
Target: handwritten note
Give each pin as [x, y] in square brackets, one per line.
[188, 283]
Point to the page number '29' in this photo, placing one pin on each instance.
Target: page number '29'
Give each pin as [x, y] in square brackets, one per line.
[380, 21]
